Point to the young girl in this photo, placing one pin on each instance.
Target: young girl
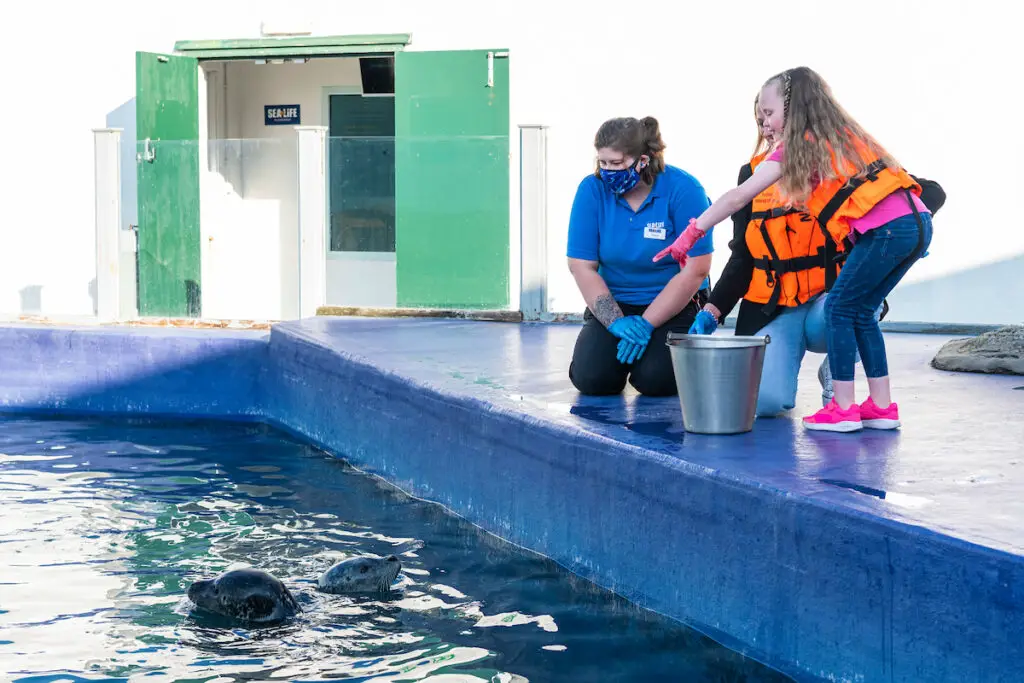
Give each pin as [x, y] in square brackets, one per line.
[830, 167]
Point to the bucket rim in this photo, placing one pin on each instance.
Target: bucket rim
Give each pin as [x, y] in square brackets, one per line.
[716, 341]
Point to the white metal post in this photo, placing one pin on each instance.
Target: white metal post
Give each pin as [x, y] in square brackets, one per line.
[107, 160]
[533, 219]
[312, 146]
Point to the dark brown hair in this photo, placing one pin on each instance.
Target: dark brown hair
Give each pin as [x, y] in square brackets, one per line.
[634, 138]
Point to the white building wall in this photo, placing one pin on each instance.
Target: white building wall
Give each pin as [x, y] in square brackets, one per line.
[935, 82]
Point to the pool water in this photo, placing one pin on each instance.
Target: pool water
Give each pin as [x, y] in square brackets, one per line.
[105, 524]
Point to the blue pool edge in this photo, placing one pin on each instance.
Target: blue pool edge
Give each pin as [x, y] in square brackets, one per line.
[815, 590]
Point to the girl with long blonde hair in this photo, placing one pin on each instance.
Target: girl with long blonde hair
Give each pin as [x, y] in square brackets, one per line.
[827, 165]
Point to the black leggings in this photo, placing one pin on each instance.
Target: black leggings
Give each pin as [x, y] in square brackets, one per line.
[595, 371]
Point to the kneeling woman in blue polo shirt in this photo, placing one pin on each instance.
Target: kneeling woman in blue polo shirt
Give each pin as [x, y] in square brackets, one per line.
[632, 207]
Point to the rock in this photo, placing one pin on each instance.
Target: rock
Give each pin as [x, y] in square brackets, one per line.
[997, 352]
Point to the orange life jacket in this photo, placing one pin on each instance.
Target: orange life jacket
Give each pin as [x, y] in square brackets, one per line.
[835, 202]
[794, 259]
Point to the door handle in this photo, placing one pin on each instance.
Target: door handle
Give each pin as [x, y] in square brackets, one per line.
[490, 65]
[147, 154]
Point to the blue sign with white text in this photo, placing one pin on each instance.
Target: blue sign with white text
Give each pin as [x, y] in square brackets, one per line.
[281, 115]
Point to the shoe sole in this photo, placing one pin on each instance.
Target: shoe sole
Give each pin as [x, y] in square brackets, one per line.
[881, 424]
[834, 426]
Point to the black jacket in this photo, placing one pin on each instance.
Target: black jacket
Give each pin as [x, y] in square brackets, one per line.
[739, 270]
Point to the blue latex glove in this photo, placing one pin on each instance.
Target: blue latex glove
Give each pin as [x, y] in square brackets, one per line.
[629, 352]
[632, 328]
[703, 323]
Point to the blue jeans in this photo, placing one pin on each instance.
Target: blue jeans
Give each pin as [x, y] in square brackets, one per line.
[878, 261]
[793, 333]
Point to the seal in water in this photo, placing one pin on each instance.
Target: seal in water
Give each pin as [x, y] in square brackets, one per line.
[247, 594]
[363, 574]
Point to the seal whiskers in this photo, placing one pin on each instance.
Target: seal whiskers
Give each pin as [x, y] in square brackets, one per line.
[363, 574]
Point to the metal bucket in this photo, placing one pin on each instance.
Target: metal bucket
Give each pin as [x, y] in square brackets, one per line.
[718, 378]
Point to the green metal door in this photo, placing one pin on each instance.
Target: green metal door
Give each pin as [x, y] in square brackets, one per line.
[167, 130]
[452, 179]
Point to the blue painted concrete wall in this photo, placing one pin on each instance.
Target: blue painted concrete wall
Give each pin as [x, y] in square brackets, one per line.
[147, 371]
[813, 589]
[805, 587]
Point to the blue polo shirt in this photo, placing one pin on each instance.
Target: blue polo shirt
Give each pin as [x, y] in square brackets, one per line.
[603, 228]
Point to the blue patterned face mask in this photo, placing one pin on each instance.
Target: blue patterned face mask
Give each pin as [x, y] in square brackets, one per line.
[621, 181]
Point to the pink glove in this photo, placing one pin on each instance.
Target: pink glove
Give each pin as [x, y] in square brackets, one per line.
[683, 244]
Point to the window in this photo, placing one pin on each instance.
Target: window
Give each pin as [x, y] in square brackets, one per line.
[361, 173]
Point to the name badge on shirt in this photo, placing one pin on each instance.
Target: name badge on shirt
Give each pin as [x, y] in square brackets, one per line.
[655, 231]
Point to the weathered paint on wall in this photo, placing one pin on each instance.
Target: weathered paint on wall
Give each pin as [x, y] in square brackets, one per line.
[167, 130]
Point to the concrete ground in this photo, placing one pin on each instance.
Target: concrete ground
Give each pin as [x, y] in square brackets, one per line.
[956, 467]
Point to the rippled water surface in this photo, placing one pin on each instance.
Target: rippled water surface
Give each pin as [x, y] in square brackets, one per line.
[104, 525]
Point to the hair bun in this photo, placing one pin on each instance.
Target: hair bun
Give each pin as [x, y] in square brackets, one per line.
[652, 134]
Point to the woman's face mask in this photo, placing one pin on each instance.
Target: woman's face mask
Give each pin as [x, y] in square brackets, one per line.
[622, 180]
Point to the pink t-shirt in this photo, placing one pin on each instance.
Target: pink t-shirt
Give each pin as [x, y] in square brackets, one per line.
[892, 207]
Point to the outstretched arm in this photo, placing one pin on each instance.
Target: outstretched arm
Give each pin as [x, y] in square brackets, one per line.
[766, 175]
[735, 278]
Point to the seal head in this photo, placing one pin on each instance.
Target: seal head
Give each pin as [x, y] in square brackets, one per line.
[363, 574]
[249, 595]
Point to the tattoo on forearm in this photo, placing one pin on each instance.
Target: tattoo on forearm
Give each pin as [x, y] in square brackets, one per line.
[606, 310]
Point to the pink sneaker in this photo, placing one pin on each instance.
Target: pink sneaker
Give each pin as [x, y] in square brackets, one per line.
[879, 418]
[832, 418]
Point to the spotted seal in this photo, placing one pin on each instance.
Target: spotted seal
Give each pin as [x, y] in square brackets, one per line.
[250, 595]
[362, 574]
